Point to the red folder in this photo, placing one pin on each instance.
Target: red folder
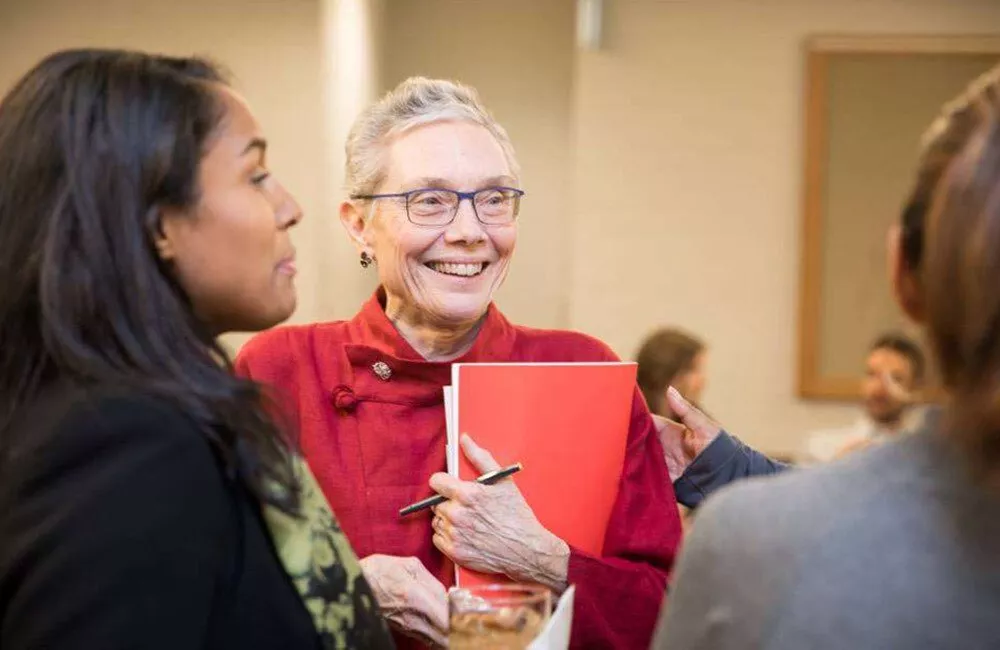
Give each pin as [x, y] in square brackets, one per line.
[566, 423]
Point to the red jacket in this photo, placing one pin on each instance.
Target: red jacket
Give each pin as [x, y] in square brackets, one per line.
[373, 443]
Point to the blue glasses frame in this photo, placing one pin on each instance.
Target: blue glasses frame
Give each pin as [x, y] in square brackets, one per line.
[462, 196]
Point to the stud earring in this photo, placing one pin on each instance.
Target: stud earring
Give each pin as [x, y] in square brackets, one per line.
[366, 260]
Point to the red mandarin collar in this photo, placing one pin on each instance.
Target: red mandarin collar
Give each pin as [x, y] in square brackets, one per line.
[375, 340]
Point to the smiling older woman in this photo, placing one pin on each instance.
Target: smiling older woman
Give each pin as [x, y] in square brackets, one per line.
[434, 188]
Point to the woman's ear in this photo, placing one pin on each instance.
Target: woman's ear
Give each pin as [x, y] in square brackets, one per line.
[352, 217]
[903, 280]
[162, 226]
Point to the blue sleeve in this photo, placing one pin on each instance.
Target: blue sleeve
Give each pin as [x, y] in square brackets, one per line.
[725, 460]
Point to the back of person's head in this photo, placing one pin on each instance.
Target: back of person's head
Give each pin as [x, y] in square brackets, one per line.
[950, 262]
[93, 145]
[906, 348]
[663, 357]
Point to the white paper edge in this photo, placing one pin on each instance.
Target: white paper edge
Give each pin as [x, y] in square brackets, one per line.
[451, 424]
[451, 445]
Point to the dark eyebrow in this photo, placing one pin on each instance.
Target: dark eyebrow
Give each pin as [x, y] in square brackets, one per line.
[260, 144]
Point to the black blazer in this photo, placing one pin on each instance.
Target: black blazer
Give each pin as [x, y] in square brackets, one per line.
[118, 529]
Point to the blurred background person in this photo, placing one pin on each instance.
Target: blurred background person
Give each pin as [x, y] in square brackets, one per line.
[892, 384]
[671, 357]
[898, 547]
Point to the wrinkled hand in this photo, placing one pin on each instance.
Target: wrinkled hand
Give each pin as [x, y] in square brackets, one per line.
[411, 599]
[683, 441]
[491, 528]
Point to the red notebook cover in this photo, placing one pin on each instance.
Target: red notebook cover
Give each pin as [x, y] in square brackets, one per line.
[566, 423]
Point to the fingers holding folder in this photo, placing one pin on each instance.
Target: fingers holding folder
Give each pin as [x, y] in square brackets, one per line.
[491, 529]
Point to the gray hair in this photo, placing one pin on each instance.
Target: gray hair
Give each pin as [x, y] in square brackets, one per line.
[413, 103]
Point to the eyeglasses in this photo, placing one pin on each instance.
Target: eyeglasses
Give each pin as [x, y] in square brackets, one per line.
[493, 206]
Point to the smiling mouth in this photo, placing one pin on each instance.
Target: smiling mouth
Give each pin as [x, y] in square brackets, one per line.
[458, 270]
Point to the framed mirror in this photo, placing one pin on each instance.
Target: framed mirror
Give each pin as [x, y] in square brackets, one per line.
[868, 100]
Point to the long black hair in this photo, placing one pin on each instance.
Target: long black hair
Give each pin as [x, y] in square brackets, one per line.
[92, 144]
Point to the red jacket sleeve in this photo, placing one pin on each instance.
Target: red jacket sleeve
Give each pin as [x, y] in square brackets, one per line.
[618, 595]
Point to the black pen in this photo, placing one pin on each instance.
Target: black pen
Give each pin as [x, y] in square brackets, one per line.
[486, 479]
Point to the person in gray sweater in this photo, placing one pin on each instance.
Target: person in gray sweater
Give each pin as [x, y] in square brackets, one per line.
[897, 547]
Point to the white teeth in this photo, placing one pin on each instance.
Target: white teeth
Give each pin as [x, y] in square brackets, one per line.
[465, 270]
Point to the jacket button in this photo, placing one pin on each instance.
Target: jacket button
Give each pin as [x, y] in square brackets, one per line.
[382, 370]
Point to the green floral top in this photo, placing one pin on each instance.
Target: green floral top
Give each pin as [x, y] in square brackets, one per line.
[326, 573]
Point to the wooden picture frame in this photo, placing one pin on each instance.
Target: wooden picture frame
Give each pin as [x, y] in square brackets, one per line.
[832, 346]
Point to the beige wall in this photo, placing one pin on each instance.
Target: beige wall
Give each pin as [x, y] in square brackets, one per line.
[688, 140]
[680, 140]
[271, 46]
[519, 56]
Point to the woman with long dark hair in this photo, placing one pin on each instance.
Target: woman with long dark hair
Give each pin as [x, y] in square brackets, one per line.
[147, 498]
